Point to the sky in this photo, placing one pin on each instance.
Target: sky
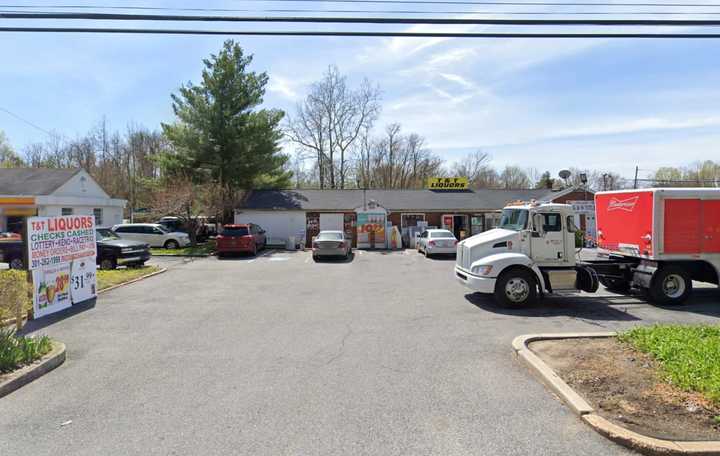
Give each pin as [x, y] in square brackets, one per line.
[607, 104]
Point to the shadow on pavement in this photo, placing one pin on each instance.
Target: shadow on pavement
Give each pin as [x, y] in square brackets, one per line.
[589, 308]
[44, 322]
[336, 259]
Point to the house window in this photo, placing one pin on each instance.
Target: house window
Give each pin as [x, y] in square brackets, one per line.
[66, 211]
[98, 213]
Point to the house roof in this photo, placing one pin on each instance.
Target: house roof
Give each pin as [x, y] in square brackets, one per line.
[393, 200]
[33, 181]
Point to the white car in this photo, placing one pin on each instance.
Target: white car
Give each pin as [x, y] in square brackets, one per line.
[436, 242]
[152, 233]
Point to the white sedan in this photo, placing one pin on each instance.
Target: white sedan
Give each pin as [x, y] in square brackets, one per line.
[436, 242]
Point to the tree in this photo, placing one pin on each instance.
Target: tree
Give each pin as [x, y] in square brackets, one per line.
[329, 122]
[476, 168]
[514, 177]
[8, 157]
[220, 134]
[545, 181]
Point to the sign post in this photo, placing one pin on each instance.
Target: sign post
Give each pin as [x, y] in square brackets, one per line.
[61, 256]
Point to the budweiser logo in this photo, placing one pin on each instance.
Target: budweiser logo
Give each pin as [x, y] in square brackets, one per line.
[627, 204]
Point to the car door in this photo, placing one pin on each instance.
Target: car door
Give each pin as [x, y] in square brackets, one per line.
[155, 236]
[548, 244]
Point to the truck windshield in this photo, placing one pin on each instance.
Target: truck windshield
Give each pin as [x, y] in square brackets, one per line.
[514, 219]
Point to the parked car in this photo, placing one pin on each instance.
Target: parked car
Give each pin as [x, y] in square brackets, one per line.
[436, 242]
[245, 238]
[331, 244]
[204, 229]
[11, 251]
[152, 233]
[113, 251]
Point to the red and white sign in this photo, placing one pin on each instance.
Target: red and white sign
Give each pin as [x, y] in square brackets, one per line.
[56, 240]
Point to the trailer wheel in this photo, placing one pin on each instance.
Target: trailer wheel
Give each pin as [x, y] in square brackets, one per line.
[516, 288]
[670, 286]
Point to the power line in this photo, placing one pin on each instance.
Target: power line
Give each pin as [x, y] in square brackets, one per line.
[150, 31]
[366, 20]
[531, 3]
[295, 10]
[26, 121]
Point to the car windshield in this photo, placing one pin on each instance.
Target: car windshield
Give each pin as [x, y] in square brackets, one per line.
[105, 235]
[163, 228]
[514, 219]
[330, 236]
[441, 234]
[234, 231]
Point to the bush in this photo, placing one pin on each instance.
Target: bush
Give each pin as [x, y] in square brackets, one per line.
[579, 238]
[14, 292]
[16, 352]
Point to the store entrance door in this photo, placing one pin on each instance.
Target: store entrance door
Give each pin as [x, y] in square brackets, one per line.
[458, 224]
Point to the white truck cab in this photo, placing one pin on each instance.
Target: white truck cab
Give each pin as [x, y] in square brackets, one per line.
[532, 244]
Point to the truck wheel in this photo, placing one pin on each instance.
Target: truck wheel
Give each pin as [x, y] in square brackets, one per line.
[108, 264]
[17, 263]
[670, 286]
[516, 288]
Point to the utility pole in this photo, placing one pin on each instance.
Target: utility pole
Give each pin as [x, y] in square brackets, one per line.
[604, 176]
[635, 182]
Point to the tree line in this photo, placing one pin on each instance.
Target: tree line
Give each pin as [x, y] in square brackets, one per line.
[222, 142]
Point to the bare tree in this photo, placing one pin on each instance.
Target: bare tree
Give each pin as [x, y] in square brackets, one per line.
[514, 177]
[330, 120]
[477, 169]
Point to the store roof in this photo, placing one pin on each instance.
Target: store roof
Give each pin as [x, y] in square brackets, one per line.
[33, 181]
[393, 200]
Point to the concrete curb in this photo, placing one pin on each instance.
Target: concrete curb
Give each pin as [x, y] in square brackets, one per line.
[27, 374]
[105, 290]
[614, 432]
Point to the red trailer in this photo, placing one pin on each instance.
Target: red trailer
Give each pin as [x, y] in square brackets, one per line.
[673, 234]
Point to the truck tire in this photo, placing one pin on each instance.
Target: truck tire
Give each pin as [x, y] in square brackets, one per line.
[670, 286]
[108, 264]
[516, 288]
[17, 263]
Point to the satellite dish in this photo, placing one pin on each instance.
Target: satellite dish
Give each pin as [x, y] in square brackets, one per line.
[564, 174]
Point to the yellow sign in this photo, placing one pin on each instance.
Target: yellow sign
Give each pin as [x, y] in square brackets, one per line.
[448, 183]
[17, 201]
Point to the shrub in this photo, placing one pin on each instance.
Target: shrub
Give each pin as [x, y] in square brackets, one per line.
[14, 294]
[16, 351]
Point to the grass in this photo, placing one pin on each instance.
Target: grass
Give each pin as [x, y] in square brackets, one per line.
[106, 279]
[17, 351]
[200, 249]
[689, 356]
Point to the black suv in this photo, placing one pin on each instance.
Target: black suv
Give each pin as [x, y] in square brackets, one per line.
[112, 251]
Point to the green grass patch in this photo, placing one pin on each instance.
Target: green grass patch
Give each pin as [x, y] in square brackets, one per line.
[106, 279]
[689, 356]
[200, 249]
[18, 351]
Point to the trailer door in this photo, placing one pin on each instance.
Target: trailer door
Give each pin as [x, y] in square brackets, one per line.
[711, 226]
[682, 226]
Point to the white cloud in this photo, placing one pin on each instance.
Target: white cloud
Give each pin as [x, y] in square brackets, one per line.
[283, 87]
[625, 126]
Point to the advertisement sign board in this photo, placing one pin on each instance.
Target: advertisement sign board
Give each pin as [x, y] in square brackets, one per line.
[371, 229]
[448, 183]
[51, 289]
[61, 256]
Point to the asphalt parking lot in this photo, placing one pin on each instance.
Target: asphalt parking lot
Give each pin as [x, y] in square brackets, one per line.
[278, 355]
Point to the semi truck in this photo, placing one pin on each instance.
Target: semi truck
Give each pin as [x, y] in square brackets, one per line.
[656, 240]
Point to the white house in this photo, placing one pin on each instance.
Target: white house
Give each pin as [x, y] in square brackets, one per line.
[50, 192]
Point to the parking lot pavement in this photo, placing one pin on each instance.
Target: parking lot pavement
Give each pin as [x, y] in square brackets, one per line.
[384, 354]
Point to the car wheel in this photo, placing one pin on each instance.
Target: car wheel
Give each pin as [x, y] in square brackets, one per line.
[670, 286]
[108, 264]
[516, 288]
[172, 244]
[17, 263]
